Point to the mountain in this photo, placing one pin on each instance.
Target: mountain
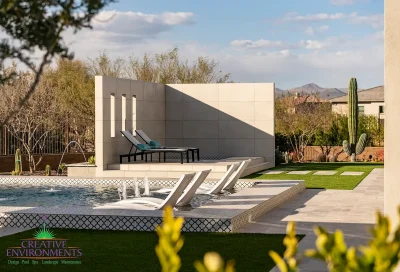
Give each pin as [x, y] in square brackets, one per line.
[312, 88]
[331, 93]
[308, 88]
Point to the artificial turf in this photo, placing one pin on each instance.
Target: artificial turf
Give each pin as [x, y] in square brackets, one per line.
[134, 251]
[336, 181]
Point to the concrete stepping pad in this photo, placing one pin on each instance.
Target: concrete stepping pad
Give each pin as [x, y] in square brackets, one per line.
[325, 173]
[272, 172]
[298, 172]
[352, 173]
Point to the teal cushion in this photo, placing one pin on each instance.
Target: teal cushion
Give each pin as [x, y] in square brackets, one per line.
[143, 147]
[154, 144]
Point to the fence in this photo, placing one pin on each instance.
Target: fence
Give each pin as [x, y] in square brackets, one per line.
[45, 141]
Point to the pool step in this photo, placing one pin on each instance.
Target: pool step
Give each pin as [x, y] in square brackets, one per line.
[175, 170]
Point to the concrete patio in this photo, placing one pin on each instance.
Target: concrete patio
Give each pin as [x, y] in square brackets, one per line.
[351, 211]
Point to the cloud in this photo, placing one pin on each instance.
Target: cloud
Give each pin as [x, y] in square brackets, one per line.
[257, 44]
[311, 31]
[346, 2]
[374, 20]
[309, 44]
[137, 25]
[295, 17]
[342, 2]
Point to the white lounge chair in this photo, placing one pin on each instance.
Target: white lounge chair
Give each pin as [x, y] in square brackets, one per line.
[152, 203]
[217, 188]
[227, 182]
[206, 188]
[235, 177]
[192, 188]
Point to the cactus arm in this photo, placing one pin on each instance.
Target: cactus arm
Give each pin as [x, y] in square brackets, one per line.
[361, 144]
[346, 147]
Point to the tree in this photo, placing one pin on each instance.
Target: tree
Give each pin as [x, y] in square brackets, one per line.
[299, 118]
[33, 123]
[104, 66]
[73, 88]
[165, 68]
[32, 26]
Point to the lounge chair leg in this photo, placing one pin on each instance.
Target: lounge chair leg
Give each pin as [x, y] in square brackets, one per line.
[151, 156]
[181, 157]
[129, 158]
[159, 156]
[164, 156]
[187, 156]
[198, 155]
[134, 158]
[192, 155]
[146, 157]
[142, 157]
[120, 159]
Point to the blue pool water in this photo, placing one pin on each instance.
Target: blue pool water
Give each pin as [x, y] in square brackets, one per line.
[68, 196]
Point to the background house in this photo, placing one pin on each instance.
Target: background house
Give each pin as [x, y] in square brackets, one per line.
[370, 102]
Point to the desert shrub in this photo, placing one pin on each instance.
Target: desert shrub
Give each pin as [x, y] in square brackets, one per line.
[321, 157]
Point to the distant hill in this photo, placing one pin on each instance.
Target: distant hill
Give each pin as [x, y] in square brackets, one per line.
[312, 88]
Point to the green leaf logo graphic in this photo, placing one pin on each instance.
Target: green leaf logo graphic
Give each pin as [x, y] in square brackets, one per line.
[44, 233]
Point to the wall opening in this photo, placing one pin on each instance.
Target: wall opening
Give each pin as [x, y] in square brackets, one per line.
[123, 109]
[134, 115]
[112, 114]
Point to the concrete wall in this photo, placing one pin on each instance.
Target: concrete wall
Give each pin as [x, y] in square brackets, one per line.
[149, 115]
[369, 108]
[392, 102]
[223, 120]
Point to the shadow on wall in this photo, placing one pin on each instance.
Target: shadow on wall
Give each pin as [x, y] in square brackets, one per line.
[223, 120]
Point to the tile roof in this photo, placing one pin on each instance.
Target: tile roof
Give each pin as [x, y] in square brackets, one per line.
[375, 94]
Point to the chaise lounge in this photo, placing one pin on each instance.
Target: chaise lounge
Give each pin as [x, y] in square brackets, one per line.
[149, 203]
[155, 144]
[144, 150]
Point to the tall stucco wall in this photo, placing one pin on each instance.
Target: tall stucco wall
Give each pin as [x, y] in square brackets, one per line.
[392, 102]
[148, 113]
[223, 120]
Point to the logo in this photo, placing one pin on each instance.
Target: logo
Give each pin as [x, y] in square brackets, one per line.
[44, 248]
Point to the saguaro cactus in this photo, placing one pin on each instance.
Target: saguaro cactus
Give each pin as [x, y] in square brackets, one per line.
[18, 162]
[48, 170]
[354, 148]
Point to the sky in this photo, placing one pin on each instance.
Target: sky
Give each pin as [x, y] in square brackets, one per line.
[289, 42]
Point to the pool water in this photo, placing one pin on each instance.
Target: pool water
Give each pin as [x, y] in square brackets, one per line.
[68, 196]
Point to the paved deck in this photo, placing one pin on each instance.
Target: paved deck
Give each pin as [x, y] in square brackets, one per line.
[351, 211]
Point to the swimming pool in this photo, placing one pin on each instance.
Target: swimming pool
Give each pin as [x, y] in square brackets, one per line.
[25, 195]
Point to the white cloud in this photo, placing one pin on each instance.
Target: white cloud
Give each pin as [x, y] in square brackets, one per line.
[310, 44]
[346, 2]
[342, 2]
[374, 20]
[295, 17]
[137, 25]
[310, 31]
[257, 44]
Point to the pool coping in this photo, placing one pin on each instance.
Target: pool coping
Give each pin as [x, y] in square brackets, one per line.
[227, 214]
